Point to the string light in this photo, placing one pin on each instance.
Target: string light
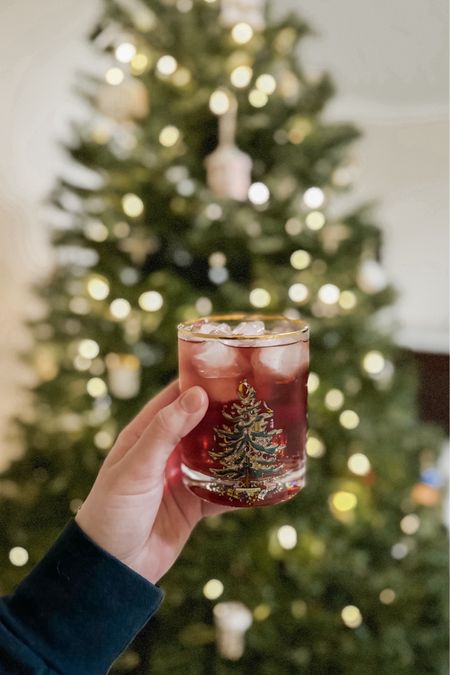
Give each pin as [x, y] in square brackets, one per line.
[242, 33]
[287, 537]
[347, 300]
[203, 306]
[314, 198]
[182, 77]
[293, 226]
[121, 230]
[334, 399]
[120, 308]
[169, 136]
[387, 596]
[258, 99]
[213, 589]
[241, 76]
[374, 362]
[81, 363]
[298, 609]
[219, 102]
[166, 65]
[300, 259]
[89, 349]
[261, 612]
[114, 76]
[410, 523]
[214, 211]
[315, 220]
[96, 387]
[258, 193]
[151, 301]
[96, 231]
[139, 63]
[98, 288]
[343, 501]
[132, 205]
[217, 259]
[125, 52]
[359, 464]
[103, 439]
[313, 382]
[18, 556]
[349, 419]
[259, 297]
[399, 551]
[314, 447]
[329, 294]
[298, 292]
[266, 83]
[218, 275]
[351, 616]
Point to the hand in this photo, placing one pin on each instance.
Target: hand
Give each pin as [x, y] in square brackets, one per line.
[138, 508]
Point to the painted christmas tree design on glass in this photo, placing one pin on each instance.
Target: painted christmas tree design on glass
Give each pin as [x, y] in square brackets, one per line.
[250, 450]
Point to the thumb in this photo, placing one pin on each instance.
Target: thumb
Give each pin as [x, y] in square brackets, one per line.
[148, 457]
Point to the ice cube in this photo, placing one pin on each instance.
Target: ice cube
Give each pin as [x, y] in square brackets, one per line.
[212, 358]
[211, 327]
[283, 362]
[249, 328]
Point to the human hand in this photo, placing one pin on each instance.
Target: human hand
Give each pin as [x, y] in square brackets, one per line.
[138, 508]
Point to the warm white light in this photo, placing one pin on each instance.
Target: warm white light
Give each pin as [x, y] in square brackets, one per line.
[315, 220]
[214, 211]
[259, 297]
[203, 306]
[266, 83]
[261, 612]
[132, 205]
[103, 439]
[182, 77]
[125, 52]
[258, 99]
[258, 193]
[81, 363]
[241, 76]
[387, 596]
[293, 227]
[151, 301]
[399, 551]
[300, 259]
[374, 362]
[347, 300]
[314, 198]
[213, 589]
[96, 231]
[219, 102]
[98, 288]
[351, 616]
[359, 464]
[313, 382]
[96, 387]
[314, 447]
[298, 292]
[334, 399]
[242, 33]
[349, 419]
[166, 65]
[287, 537]
[343, 501]
[89, 349]
[18, 556]
[139, 63]
[169, 136]
[114, 76]
[217, 259]
[120, 308]
[329, 294]
[410, 523]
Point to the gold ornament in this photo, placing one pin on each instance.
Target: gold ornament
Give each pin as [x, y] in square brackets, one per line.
[124, 372]
[232, 620]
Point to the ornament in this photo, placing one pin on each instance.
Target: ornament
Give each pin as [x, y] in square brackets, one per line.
[125, 101]
[123, 375]
[250, 12]
[333, 235]
[232, 620]
[228, 168]
[371, 276]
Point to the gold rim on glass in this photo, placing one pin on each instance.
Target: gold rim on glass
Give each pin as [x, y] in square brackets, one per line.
[302, 328]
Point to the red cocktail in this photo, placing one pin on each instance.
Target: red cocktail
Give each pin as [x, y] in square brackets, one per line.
[249, 449]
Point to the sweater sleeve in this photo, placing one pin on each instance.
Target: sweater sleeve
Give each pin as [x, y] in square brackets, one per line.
[75, 612]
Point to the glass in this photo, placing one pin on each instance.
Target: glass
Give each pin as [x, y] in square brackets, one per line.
[249, 449]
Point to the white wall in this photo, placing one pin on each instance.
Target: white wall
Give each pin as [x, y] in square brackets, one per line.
[389, 60]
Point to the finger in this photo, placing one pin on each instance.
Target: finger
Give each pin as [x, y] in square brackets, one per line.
[134, 429]
[148, 457]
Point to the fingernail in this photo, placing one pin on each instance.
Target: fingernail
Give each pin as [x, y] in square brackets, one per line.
[192, 399]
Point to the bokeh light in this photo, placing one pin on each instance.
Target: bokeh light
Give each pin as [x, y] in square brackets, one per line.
[314, 198]
[259, 297]
[359, 464]
[351, 616]
[132, 205]
[18, 556]
[287, 537]
[151, 301]
[242, 33]
[213, 589]
[349, 419]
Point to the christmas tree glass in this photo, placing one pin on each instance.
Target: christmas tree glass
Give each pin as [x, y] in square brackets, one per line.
[249, 449]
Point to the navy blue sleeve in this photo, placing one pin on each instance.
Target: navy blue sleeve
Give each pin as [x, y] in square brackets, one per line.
[75, 612]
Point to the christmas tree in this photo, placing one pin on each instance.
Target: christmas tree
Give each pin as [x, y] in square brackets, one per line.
[211, 181]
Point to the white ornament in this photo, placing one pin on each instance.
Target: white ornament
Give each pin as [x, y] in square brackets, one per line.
[371, 276]
[244, 11]
[126, 101]
[124, 371]
[232, 620]
[228, 168]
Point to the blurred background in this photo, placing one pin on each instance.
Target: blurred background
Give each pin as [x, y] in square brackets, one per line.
[389, 61]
